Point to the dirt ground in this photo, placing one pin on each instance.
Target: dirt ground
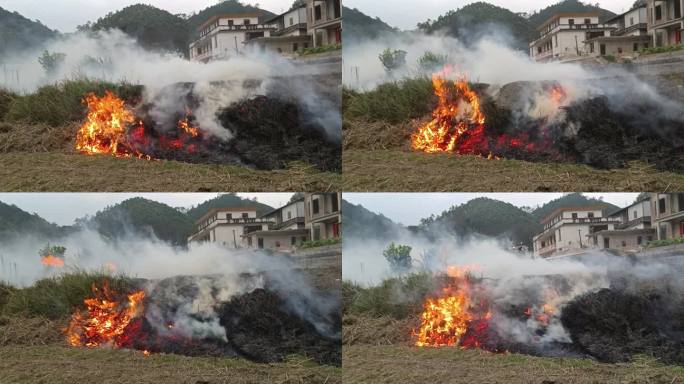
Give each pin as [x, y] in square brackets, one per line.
[55, 364]
[74, 172]
[398, 169]
[406, 364]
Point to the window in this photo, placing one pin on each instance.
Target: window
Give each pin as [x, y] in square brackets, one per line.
[606, 242]
[624, 244]
[661, 205]
[334, 203]
[245, 215]
[603, 49]
[316, 233]
[590, 215]
[314, 207]
[662, 232]
[291, 20]
[231, 23]
[293, 240]
[639, 240]
[295, 47]
[574, 216]
[571, 22]
[318, 13]
[658, 12]
[635, 47]
[277, 244]
[591, 47]
[229, 216]
[631, 21]
[587, 21]
[260, 242]
[635, 214]
[289, 215]
[337, 9]
[620, 50]
[680, 202]
[247, 22]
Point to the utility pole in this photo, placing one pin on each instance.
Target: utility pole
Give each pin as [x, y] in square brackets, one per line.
[580, 237]
[236, 46]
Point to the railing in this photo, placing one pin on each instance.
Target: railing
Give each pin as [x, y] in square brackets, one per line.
[572, 27]
[625, 30]
[294, 220]
[242, 27]
[631, 223]
[283, 31]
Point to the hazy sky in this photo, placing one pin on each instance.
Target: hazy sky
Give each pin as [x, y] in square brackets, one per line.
[409, 208]
[64, 208]
[405, 14]
[66, 15]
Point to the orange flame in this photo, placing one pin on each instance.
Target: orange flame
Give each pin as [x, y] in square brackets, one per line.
[453, 117]
[184, 125]
[52, 261]
[105, 320]
[104, 131]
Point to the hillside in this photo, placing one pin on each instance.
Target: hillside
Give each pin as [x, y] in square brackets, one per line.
[476, 20]
[15, 221]
[230, 6]
[361, 223]
[142, 216]
[226, 201]
[154, 28]
[359, 26]
[571, 200]
[538, 18]
[18, 33]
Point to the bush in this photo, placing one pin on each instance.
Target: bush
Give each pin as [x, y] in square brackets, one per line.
[397, 297]
[62, 103]
[6, 98]
[320, 243]
[432, 61]
[56, 297]
[399, 257]
[323, 49]
[394, 102]
[393, 59]
[6, 291]
[670, 48]
[664, 243]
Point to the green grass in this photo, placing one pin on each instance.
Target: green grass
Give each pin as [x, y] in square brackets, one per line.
[406, 364]
[398, 297]
[395, 170]
[61, 365]
[6, 99]
[664, 243]
[393, 102]
[61, 103]
[6, 291]
[56, 297]
[669, 48]
[73, 172]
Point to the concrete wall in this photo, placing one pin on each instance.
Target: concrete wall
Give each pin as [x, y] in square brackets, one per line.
[623, 242]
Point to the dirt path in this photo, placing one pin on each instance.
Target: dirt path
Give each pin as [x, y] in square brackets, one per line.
[403, 364]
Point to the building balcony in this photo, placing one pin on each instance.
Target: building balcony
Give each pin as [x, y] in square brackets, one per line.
[621, 31]
[573, 27]
[287, 223]
[549, 249]
[284, 31]
[238, 28]
[633, 223]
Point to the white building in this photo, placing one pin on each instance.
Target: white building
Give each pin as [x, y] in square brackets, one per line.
[324, 21]
[628, 35]
[225, 36]
[563, 36]
[286, 231]
[566, 230]
[291, 33]
[668, 215]
[665, 21]
[228, 226]
[323, 215]
[632, 232]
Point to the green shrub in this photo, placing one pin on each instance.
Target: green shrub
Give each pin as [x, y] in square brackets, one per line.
[56, 297]
[397, 297]
[432, 61]
[6, 291]
[320, 243]
[610, 58]
[393, 102]
[664, 243]
[62, 103]
[669, 48]
[392, 59]
[322, 49]
[6, 98]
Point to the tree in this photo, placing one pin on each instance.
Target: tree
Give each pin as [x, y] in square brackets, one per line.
[432, 61]
[296, 196]
[398, 256]
[298, 3]
[392, 59]
[51, 61]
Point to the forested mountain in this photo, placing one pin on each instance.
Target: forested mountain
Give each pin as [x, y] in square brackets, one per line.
[476, 20]
[358, 26]
[226, 201]
[15, 221]
[154, 28]
[538, 18]
[361, 223]
[142, 216]
[18, 33]
[571, 200]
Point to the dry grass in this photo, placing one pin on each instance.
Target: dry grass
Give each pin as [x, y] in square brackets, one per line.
[402, 170]
[25, 137]
[74, 172]
[405, 364]
[60, 365]
[375, 135]
[385, 330]
[29, 331]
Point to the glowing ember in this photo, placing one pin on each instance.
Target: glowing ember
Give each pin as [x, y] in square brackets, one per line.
[105, 128]
[52, 261]
[457, 123]
[105, 320]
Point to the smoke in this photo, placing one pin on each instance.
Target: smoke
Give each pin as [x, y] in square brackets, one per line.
[114, 57]
[183, 285]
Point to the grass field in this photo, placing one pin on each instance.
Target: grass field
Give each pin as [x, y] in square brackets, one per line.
[56, 364]
[74, 172]
[398, 169]
[406, 364]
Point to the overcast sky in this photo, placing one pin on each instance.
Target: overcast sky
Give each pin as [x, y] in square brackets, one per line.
[64, 208]
[409, 208]
[66, 15]
[405, 14]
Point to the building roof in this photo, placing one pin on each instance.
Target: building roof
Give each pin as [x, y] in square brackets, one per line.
[578, 208]
[566, 14]
[622, 14]
[281, 208]
[212, 19]
[246, 208]
[284, 13]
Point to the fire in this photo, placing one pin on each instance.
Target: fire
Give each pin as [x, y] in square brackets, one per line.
[105, 320]
[457, 122]
[104, 131]
[52, 261]
[455, 319]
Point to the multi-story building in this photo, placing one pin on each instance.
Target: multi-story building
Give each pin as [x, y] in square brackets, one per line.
[628, 35]
[225, 36]
[322, 215]
[665, 21]
[228, 226]
[633, 230]
[291, 33]
[286, 231]
[563, 36]
[324, 20]
[668, 215]
[566, 230]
